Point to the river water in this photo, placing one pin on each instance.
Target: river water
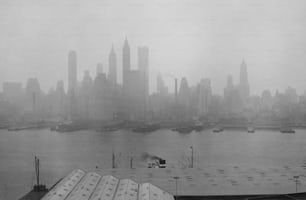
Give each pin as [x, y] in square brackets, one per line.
[265, 152]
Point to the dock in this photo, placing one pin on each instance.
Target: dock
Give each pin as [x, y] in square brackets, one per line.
[146, 184]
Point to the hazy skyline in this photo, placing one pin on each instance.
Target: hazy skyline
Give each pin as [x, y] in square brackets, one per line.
[194, 39]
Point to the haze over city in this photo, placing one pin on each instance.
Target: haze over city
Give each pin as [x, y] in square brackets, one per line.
[193, 39]
[152, 99]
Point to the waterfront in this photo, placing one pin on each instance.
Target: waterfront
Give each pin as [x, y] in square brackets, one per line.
[264, 160]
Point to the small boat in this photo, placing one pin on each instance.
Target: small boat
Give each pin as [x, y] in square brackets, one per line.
[147, 128]
[185, 129]
[250, 130]
[287, 130]
[217, 130]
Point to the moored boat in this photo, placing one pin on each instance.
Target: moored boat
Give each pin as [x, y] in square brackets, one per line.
[287, 130]
[217, 130]
[250, 130]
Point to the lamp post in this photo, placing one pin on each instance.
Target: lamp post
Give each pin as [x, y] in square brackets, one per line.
[176, 178]
[296, 182]
[191, 147]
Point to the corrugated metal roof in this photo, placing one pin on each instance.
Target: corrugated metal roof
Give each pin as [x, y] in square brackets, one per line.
[79, 185]
[65, 186]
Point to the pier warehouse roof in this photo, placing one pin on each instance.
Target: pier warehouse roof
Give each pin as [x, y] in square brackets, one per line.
[79, 185]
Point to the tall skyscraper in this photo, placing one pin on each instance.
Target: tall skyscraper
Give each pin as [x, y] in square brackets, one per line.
[72, 83]
[143, 66]
[229, 87]
[126, 63]
[244, 87]
[160, 85]
[72, 70]
[33, 93]
[204, 97]
[112, 61]
[184, 93]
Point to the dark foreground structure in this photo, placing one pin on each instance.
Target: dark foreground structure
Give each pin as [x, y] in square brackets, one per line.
[95, 185]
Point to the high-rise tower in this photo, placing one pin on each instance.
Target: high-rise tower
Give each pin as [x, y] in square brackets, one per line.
[112, 61]
[72, 83]
[143, 66]
[72, 70]
[244, 83]
[126, 62]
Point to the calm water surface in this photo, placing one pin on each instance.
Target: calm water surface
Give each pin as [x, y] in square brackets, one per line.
[264, 151]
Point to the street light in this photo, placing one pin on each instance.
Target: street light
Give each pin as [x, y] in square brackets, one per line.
[191, 147]
[296, 183]
[176, 178]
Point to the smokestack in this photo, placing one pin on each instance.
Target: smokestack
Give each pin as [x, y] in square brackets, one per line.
[175, 92]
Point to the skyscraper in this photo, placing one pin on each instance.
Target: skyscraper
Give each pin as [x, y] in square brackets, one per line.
[204, 97]
[143, 66]
[244, 87]
[229, 87]
[161, 88]
[33, 93]
[72, 70]
[72, 83]
[112, 60]
[126, 63]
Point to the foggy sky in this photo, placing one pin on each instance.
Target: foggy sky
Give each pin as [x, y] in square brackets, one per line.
[192, 38]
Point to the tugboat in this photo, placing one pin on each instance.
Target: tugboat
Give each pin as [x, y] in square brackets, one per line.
[158, 163]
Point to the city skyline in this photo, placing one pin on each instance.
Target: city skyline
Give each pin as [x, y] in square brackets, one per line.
[203, 39]
[201, 98]
[110, 69]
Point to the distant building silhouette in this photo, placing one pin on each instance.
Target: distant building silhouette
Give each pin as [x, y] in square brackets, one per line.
[99, 69]
[267, 100]
[72, 84]
[244, 88]
[103, 101]
[33, 94]
[160, 85]
[126, 64]
[72, 70]
[143, 66]
[232, 96]
[60, 99]
[13, 92]
[135, 86]
[112, 62]
[205, 97]
[85, 103]
[184, 98]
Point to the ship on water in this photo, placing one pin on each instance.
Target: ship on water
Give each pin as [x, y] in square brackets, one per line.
[287, 129]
